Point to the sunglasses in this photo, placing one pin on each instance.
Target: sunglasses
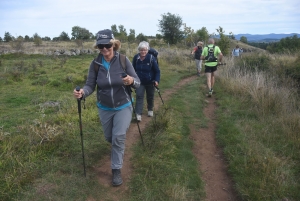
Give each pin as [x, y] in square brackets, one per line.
[107, 46]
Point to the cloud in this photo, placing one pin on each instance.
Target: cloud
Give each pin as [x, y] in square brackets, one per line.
[51, 17]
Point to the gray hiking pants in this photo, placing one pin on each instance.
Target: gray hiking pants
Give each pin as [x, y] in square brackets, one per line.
[140, 92]
[115, 125]
[198, 65]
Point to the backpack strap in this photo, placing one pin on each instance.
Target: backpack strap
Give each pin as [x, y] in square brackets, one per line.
[134, 61]
[151, 59]
[122, 58]
[96, 66]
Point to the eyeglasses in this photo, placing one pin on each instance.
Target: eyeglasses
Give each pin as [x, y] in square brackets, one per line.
[107, 46]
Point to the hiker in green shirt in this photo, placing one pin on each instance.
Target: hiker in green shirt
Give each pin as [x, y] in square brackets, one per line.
[212, 56]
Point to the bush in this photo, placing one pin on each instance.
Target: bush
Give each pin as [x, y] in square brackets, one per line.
[259, 62]
[294, 70]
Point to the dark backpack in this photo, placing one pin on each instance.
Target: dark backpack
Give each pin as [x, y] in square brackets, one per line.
[198, 53]
[154, 53]
[211, 56]
[122, 58]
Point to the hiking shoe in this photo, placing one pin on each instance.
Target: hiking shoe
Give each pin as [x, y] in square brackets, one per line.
[139, 117]
[116, 177]
[210, 92]
[150, 113]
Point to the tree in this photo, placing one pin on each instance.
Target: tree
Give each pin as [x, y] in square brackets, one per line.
[114, 29]
[1, 40]
[131, 36]
[202, 34]
[37, 40]
[46, 38]
[169, 26]
[122, 30]
[243, 39]
[55, 39]
[26, 38]
[8, 37]
[64, 36]
[189, 36]
[141, 37]
[79, 33]
[92, 36]
[158, 36]
[224, 42]
[231, 36]
[18, 43]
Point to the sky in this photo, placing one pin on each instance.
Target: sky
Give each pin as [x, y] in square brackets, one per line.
[52, 17]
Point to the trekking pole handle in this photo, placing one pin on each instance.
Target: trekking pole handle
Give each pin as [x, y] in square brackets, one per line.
[124, 75]
[156, 87]
[78, 100]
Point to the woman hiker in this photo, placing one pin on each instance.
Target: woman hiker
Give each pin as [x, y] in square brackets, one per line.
[113, 100]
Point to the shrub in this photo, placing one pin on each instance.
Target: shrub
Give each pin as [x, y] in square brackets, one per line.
[254, 62]
[17, 44]
[294, 70]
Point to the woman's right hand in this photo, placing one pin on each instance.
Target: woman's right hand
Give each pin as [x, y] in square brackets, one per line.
[78, 94]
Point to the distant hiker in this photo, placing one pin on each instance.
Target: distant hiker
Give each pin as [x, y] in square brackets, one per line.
[113, 100]
[236, 51]
[197, 51]
[212, 56]
[147, 69]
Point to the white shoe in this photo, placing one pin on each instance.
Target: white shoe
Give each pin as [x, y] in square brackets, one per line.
[139, 117]
[150, 113]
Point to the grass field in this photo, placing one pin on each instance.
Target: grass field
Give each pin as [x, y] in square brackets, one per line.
[257, 126]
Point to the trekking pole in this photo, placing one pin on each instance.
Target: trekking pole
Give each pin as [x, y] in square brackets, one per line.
[80, 126]
[157, 89]
[129, 92]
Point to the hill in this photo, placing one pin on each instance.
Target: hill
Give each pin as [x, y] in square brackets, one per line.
[265, 37]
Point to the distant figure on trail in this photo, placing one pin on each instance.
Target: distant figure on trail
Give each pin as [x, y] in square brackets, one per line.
[236, 52]
[197, 51]
[212, 56]
[113, 100]
[146, 67]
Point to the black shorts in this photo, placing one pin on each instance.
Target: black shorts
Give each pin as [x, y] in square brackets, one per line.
[209, 69]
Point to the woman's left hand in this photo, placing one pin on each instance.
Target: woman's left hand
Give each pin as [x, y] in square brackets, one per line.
[155, 83]
[128, 80]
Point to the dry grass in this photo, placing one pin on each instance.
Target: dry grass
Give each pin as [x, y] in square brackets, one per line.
[270, 138]
[46, 46]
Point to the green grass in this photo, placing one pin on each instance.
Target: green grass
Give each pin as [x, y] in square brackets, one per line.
[40, 150]
[166, 169]
[40, 143]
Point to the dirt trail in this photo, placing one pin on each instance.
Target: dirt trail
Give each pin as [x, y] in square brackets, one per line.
[218, 185]
[206, 151]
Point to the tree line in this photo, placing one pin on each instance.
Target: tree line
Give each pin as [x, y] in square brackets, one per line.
[171, 27]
